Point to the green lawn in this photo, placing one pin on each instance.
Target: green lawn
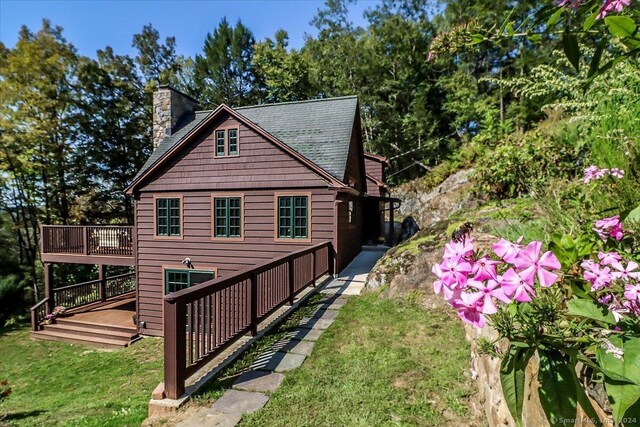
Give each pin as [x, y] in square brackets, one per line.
[383, 362]
[69, 385]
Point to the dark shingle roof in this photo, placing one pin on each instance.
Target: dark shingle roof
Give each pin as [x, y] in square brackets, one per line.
[320, 130]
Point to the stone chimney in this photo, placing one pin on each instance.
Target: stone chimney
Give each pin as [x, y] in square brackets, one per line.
[170, 107]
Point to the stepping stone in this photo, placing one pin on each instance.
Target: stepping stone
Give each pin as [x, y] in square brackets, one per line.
[314, 322]
[236, 402]
[262, 381]
[282, 362]
[335, 304]
[206, 417]
[299, 347]
[306, 334]
[326, 314]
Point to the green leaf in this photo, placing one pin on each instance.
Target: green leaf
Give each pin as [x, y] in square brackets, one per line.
[589, 309]
[554, 18]
[558, 386]
[591, 19]
[622, 396]
[571, 49]
[621, 26]
[512, 370]
[477, 38]
[634, 215]
[625, 369]
[595, 60]
[535, 38]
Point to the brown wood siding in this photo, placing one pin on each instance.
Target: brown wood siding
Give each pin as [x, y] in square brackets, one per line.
[350, 236]
[260, 164]
[354, 175]
[374, 168]
[258, 245]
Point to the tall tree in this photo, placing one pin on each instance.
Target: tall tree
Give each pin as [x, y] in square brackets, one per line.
[158, 61]
[37, 85]
[286, 74]
[113, 135]
[224, 72]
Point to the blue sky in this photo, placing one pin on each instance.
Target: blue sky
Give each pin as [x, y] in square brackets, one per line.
[92, 25]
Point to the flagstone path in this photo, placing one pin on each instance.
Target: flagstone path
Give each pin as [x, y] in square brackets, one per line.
[251, 390]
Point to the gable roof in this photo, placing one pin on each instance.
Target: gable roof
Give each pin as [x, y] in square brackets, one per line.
[319, 130]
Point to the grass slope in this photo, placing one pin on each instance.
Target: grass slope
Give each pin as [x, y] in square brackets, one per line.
[383, 362]
[69, 385]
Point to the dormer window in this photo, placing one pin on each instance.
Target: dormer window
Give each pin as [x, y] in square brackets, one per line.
[226, 142]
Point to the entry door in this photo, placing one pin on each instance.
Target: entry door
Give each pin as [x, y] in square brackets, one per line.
[176, 280]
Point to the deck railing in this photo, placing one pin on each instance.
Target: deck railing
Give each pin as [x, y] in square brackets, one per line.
[113, 240]
[201, 321]
[79, 294]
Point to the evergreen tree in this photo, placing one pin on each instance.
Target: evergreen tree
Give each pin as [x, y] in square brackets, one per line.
[224, 72]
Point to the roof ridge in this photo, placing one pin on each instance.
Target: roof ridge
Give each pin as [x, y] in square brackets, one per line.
[304, 101]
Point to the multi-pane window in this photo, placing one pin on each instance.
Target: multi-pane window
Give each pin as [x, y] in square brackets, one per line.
[226, 142]
[168, 217]
[352, 211]
[227, 217]
[293, 217]
[176, 280]
[232, 136]
[220, 143]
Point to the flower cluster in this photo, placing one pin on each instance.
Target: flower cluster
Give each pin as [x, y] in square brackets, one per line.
[612, 6]
[593, 173]
[474, 284]
[609, 227]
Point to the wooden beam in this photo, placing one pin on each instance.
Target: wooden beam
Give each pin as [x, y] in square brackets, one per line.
[48, 286]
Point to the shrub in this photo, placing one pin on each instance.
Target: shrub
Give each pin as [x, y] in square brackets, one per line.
[520, 162]
[13, 298]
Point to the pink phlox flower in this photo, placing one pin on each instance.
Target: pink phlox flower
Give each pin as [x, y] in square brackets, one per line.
[605, 299]
[617, 173]
[455, 249]
[506, 250]
[632, 292]
[530, 264]
[632, 307]
[571, 4]
[485, 268]
[601, 173]
[598, 276]
[455, 271]
[608, 258]
[590, 174]
[626, 273]
[609, 227]
[617, 233]
[470, 309]
[515, 287]
[439, 286]
[487, 291]
[612, 6]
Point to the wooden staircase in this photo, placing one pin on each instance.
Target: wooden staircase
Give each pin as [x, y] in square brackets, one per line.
[94, 334]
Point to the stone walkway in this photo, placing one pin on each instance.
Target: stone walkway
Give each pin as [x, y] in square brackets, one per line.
[251, 390]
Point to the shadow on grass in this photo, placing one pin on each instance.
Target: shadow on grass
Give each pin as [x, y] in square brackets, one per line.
[15, 416]
[14, 326]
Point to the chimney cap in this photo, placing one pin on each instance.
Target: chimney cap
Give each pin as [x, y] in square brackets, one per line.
[168, 86]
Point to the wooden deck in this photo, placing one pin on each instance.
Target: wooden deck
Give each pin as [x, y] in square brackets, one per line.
[105, 325]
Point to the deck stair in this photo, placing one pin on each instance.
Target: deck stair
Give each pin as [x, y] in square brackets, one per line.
[87, 333]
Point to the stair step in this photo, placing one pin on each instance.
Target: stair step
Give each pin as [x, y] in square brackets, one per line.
[79, 339]
[94, 325]
[90, 332]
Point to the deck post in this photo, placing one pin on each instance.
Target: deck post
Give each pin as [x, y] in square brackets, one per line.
[85, 240]
[291, 280]
[332, 261]
[313, 267]
[254, 304]
[102, 276]
[392, 226]
[48, 286]
[175, 356]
